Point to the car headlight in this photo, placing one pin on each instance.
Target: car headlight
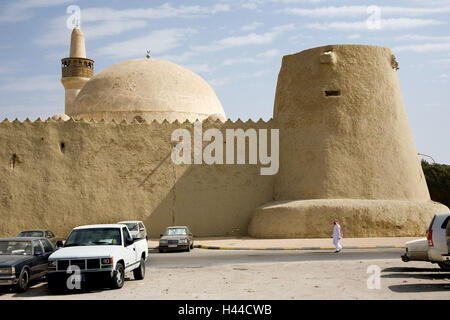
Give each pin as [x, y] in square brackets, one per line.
[107, 260]
[52, 264]
[183, 241]
[10, 270]
[162, 241]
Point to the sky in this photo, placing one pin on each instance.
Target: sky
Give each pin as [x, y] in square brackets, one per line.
[236, 46]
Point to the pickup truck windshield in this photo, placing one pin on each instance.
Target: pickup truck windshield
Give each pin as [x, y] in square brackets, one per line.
[132, 226]
[94, 237]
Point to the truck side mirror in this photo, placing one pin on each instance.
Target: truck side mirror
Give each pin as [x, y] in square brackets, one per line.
[129, 241]
[59, 244]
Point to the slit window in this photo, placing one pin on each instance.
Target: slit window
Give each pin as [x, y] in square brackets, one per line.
[332, 93]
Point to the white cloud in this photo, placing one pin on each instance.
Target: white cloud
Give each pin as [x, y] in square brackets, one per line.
[354, 36]
[185, 56]
[252, 26]
[249, 39]
[60, 35]
[424, 47]
[246, 60]
[10, 68]
[443, 62]
[250, 5]
[260, 58]
[418, 37]
[158, 41]
[357, 11]
[32, 83]
[108, 28]
[163, 11]
[199, 68]
[217, 82]
[22, 10]
[269, 53]
[386, 24]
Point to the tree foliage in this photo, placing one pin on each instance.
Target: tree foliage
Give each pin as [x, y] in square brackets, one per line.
[438, 181]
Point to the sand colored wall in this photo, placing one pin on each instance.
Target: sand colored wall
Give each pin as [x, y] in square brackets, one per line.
[357, 145]
[106, 172]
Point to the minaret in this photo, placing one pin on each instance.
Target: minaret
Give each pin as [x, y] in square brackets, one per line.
[76, 70]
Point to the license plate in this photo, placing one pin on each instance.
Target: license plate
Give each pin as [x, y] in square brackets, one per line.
[5, 281]
[173, 245]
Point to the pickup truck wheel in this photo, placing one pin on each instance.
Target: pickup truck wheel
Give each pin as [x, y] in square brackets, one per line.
[119, 277]
[444, 265]
[54, 286]
[139, 272]
[24, 278]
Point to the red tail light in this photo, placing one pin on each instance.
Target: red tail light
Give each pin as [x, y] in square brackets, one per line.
[430, 238]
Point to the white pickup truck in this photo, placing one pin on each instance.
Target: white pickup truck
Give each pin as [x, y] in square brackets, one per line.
[94, 252]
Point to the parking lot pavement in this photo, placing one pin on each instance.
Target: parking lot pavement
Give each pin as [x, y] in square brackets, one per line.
[211, 274]
[230, 243]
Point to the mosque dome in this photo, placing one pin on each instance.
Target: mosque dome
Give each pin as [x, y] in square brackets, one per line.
[147, 89]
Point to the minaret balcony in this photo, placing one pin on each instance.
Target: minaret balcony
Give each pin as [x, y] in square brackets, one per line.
[77, 67]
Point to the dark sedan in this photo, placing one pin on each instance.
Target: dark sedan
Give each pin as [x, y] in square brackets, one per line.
[176, 238]
[23, 259]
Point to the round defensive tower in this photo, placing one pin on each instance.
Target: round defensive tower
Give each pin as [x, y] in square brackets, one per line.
[346, 149]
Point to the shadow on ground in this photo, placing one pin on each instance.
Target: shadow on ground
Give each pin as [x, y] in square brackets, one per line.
[409, 274]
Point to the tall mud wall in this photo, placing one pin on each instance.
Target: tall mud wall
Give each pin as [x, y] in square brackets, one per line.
[59, 175]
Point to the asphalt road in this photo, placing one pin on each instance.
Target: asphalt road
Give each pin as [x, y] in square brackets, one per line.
[204, 258]
[226, 274]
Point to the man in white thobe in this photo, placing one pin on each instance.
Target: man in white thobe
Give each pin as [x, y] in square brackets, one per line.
[337, 235]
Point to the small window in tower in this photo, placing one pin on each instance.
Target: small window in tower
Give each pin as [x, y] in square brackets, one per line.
[62, 146]
[332, 93]
[13, 161]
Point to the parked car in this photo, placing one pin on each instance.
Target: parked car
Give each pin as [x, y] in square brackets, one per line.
[435, 247]
[176, 238]
[99, 251]
[416, 250]
[137, 229]
[23, 259]
[41, 234]
[437, 236]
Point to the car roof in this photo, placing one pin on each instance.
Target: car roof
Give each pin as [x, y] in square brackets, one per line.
[34, 230]
[131, 221]
[177, 227]
[92, 226]
[22, 239]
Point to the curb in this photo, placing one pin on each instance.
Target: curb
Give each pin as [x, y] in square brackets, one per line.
[298, 248]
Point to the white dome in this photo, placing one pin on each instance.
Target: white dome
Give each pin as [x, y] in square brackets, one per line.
[147, 88]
